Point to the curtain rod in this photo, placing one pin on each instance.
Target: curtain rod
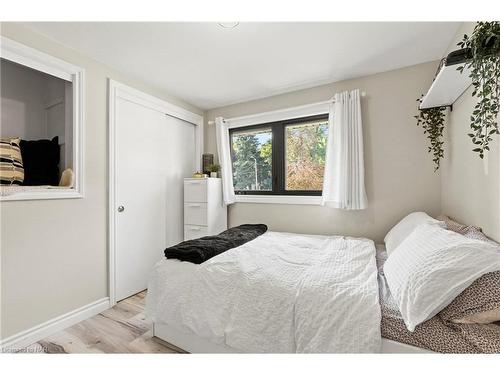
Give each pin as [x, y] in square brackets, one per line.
[331, 100]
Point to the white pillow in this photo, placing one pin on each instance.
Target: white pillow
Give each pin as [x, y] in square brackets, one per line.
[403, 229]
[431, 267]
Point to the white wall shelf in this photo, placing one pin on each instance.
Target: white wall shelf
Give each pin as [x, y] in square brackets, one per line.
[447, 87]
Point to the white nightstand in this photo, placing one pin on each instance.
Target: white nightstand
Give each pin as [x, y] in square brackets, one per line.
[205, 213]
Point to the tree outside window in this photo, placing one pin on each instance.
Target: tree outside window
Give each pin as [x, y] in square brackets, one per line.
[286, 157]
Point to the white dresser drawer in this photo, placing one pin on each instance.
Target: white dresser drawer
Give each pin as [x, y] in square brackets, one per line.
[194, 231]
[195, 213]
[195, 190]
[204, 211]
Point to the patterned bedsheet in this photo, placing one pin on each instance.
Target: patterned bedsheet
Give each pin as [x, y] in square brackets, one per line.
[436, 334]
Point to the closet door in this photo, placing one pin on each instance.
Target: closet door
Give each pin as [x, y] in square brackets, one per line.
[153, 153]
[182, 164]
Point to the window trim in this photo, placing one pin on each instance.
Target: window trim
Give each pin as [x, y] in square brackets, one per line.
[278, 166]
[311, 109]
[34, 59]
[280, 199]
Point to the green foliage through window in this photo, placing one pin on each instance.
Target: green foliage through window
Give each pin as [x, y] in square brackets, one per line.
[305, 148]
[252, 160]
[286, 157]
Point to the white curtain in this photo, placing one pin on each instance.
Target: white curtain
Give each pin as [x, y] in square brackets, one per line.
[344, 178]
[224, 152]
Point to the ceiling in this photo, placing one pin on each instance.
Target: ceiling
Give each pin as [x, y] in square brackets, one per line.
[210, 66]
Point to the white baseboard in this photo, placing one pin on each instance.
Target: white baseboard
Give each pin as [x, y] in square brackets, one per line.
[41, 331]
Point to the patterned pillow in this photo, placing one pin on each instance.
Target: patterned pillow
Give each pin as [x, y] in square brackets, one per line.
[11, 162]
[455, 226]
[476, 234]
[480, 302]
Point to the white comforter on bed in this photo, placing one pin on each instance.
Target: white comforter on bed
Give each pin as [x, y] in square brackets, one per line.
[281, 292]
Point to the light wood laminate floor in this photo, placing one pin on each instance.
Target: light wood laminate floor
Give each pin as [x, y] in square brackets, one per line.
[121, 329]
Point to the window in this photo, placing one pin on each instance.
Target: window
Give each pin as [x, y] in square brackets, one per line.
[280, 158]
[252, 159]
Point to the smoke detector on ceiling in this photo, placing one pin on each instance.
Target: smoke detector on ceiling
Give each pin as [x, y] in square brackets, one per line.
[228, 25]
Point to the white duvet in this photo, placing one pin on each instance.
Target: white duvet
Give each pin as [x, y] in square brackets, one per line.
[281, 292]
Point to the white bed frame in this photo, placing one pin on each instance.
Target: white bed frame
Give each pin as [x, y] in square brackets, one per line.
[195, 344]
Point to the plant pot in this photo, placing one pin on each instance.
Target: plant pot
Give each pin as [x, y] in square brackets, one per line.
[213, 174]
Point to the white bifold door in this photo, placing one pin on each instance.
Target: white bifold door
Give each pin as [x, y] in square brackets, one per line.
[154, 152]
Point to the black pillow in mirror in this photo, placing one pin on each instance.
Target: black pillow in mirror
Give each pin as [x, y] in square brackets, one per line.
[41, 161]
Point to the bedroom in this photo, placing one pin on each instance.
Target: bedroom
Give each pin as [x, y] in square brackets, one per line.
[348, 224]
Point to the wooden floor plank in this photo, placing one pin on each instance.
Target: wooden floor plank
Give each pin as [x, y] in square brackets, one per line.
[123, 310]
[65, 342]
[146, 343]
[123, 328]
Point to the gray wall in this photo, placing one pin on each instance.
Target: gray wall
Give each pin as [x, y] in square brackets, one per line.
[471, 186]
[54, 252]
[23, 97]
[400, 174]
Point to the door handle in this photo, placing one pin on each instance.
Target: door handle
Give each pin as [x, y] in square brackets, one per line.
[121, 208]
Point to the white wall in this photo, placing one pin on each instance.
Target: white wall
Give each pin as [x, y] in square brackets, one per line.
[400, 174]
[23, 94]
[35, 105]
[57, 121]
[55, 113]
[54, 253]
[470, 186]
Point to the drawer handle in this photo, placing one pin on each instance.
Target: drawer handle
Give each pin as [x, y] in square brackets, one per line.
[194, 205]
[194, 182]
[195, 229]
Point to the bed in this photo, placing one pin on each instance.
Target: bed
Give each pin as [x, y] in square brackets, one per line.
[293, 293]
[268, 296]
[191, 343]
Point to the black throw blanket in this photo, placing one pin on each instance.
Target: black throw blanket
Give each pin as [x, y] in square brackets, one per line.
[202, 249]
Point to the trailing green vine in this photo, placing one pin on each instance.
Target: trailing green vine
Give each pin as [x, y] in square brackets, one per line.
[432, 121]
[484, 66]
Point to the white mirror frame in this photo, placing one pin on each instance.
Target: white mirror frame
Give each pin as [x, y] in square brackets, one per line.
[34, 59]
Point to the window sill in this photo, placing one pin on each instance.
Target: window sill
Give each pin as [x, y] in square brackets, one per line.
[42, 194]
[279, 199]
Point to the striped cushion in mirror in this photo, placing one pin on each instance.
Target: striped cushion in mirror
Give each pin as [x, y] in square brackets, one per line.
[11, 162]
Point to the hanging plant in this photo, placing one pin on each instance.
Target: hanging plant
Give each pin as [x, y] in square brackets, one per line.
[484, 49]
[432, 121]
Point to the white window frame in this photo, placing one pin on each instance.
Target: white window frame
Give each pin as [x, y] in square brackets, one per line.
[32, 58]
[272, 116]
